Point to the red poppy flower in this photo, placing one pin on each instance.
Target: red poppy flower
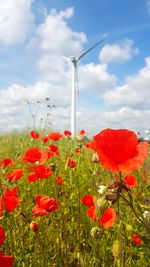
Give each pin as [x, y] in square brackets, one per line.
[11, 200]
[77, 150]
[67, 133]
[53, 205]
[53, 150]
[15, 174]
[91, 212]
[35, 135]
[32, 155]
[45, 139]
[82, 132]
[42, 171]
[59, 180]
[130, 180]
[37, 198]
[119, 150]
[7, 162]
[44, 204]
[88, 200]
[32, 177]
[108, 218]
[55, 136]
[91, 145]
[136, 239]
[6, 260]
[2, 235]
[71, 163]
[44, 156]
[38, 211]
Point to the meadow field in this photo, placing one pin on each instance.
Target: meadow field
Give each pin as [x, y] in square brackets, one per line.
[69, 202]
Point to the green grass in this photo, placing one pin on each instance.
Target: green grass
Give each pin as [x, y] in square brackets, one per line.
[68, 237]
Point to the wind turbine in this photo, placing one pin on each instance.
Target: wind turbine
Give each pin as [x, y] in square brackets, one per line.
[74, 61]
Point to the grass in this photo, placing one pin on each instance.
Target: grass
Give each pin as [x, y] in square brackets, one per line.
[68, 237]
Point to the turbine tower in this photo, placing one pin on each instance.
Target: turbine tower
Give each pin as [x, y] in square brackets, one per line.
[74, 61]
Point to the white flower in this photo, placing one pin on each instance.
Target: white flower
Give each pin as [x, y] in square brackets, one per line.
[102, 189]
[146, 214]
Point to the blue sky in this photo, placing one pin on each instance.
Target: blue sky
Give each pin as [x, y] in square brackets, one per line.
[114, 79]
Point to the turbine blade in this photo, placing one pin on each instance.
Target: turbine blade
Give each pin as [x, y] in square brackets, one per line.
[67, 58]
[91, 48]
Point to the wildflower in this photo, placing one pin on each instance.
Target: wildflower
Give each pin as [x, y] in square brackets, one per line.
[2, 235]
[146, 215]
[32, 155]
[119, 150]
[34, 226]
[102, 189]
[35, 135]
[32, 177]
[91, 145]
[53, 150]
[38, 211]
[6, 260]
[71, 163]
[77, 150]
[42, 171]
[88, 200]
[59, 180]
[130, 181]
[91, 212]
[67, 133]
[44, 204]
[136, 239]
[45, 139]
[55, 136]
[82, 132]
[15, 174]
[7, 162]
[108, 218]
[11, 200]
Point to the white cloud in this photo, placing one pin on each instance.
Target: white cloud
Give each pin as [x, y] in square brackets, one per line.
[134, 93]
[15, 111]
[54, 39]
[16, 21]
[95, 78]
[116, 53]
[125, 118]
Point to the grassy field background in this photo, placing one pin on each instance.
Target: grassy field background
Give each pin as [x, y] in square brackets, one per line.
[68, 237]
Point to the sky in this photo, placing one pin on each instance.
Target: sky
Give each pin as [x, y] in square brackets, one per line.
[113, 79]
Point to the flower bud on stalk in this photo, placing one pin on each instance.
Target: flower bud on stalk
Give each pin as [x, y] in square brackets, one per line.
[34, 226]
[95, 158]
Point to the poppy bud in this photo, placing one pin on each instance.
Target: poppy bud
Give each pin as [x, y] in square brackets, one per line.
[96, 232]
[95, 158]
[116, 249]
[34, 226]
[102, 203]
[80, 138]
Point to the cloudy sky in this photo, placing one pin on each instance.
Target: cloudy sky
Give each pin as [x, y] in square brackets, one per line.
[113, 80]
